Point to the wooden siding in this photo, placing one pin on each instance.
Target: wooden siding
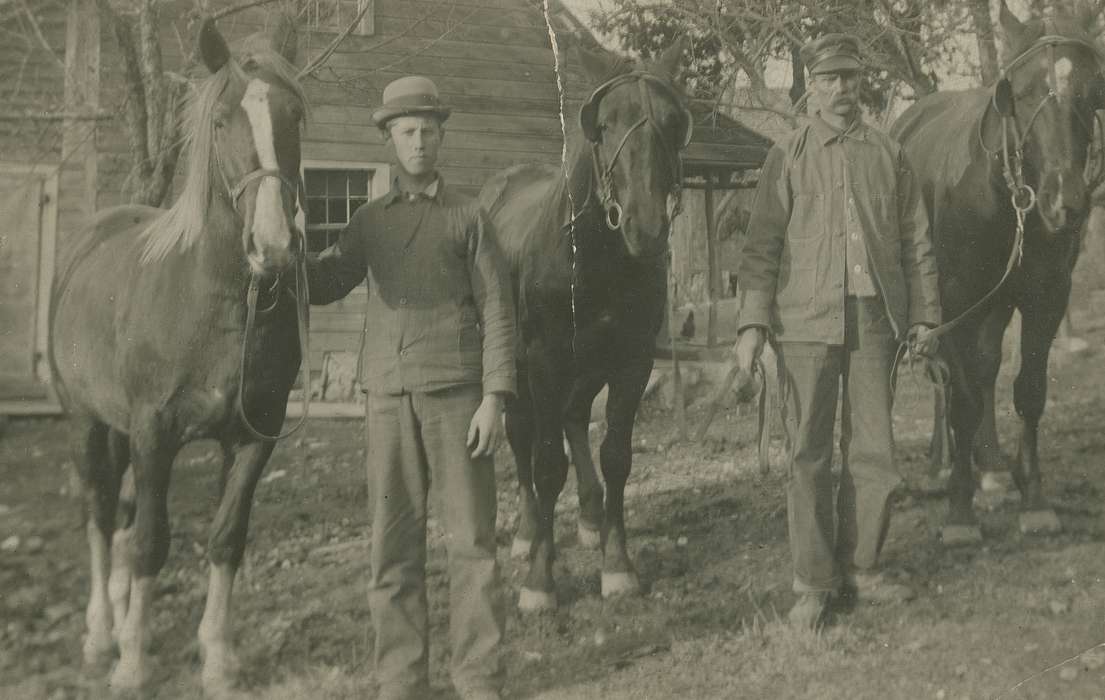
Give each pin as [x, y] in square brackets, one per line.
[491, 59]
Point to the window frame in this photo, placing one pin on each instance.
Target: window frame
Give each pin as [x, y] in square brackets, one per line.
[379, 180]
[367, 25]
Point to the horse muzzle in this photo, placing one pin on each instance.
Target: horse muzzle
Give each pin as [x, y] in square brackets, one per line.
[1062, 201]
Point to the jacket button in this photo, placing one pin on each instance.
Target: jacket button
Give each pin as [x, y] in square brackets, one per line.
[402, 301]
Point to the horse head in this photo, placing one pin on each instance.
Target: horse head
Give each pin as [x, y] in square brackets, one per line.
[254, 120]
[637, 123]
[1049, 90]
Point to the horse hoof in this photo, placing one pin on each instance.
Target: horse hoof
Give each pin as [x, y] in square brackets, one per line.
[220, 688]
[98, 654]
[996, 482]
[959, 535]
[589, 537]
[520, 548]
[1040, 522]
[619, 583]
[127, 677]
[530, 601]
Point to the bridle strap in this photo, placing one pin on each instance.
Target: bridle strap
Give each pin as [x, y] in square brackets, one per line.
[303, 323]
[302, 296]
[603, 173]
[1013, 158]
[285, 182]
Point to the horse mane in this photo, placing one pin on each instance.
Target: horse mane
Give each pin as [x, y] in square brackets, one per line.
[184, 222]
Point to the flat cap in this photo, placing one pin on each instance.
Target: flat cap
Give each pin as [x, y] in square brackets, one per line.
[831, 53]
[413, 94]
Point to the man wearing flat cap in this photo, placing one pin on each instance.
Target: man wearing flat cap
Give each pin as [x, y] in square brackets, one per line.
[837, 270]
[437, 362]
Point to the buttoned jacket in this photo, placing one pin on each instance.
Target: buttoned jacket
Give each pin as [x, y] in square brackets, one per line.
[440, 310]
[816, 185]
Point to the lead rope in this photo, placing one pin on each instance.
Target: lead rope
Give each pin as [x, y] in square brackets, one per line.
[303, 326]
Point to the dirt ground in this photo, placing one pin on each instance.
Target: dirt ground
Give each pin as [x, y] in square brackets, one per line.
[1015, 617]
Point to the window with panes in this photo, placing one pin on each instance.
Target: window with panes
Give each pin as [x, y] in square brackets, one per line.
[332, 197]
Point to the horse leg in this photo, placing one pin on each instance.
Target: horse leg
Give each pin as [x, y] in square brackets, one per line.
[987, 453]
[119, 584]
[225, 547]
[149, 548]
[589, 525]
[965, 413]
[550, 471]
[1040, 321]
[519, 433]
[626, 388]
[940, 446]
[101, 486]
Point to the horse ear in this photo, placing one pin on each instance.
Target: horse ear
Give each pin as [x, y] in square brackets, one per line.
[598, 65]
[285, 38]
[1012, 27]
[212, 46]
[670, 60]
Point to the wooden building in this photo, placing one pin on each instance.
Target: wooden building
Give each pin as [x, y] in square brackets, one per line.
[64, 150]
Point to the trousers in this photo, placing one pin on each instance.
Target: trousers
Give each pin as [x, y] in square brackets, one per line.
[827, 550]
[416, 440]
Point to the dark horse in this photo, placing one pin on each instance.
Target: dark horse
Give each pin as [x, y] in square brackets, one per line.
[587, 244]
[981, 155]
[149, 344]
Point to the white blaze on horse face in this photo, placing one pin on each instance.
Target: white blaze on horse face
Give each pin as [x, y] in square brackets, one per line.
[270, 225]
[1063, 70]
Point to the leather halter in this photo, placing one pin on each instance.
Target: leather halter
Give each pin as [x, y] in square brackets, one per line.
[295, 189]
[1024, 197]
[604, 175]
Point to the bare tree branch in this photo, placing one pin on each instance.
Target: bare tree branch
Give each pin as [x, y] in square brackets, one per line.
[329, 50]
[37, 29]
[239, 7]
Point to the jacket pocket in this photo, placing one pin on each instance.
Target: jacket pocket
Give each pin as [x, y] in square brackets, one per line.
[807, 216]
[884, 210]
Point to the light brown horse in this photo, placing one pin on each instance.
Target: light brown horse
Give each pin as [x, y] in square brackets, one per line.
[150, 349]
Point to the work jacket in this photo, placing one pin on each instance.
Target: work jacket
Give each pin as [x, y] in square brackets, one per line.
[818, 185]
[440, 310]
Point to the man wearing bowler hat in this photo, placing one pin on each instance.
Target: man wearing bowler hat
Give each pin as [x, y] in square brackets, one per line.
[838, 269]
[437, 363]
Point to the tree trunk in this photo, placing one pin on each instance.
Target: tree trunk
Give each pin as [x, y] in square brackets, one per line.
[984, 34]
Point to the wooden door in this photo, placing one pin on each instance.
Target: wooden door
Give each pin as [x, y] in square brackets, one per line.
[28, 217]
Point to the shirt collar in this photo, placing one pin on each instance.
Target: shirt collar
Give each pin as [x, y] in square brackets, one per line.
[827, 133]
[433, 192]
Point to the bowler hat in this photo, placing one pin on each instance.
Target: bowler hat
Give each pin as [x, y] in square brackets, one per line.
[831, 53]
[410, 95]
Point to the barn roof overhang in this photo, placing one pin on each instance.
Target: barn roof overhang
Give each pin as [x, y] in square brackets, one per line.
[722, 148]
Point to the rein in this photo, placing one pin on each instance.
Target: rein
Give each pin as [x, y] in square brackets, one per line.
[303, 318]
[1022, 196]
[301, 295]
